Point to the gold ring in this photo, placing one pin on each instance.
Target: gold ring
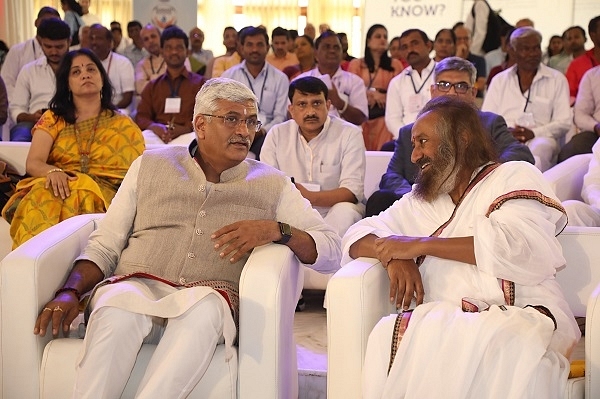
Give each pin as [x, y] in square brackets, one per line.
[46, 309]
[57, 309]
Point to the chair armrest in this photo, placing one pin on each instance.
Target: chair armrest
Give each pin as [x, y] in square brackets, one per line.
[581, 274]
[592, 346]
[566, 178]
[270, 285]
[15, 154]
[29, 276]
[357, 298]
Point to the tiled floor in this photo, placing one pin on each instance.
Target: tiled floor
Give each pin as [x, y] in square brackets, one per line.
[310, 332]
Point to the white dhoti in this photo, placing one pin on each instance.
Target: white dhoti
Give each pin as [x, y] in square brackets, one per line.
[446, 353]
[191, 321]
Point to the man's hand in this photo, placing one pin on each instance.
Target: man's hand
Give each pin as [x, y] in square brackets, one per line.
[241, 237]
[462, 50]
[405, 283]
[335, 98]
[397, 247]
[521, 133]
[162, 131]
[62, 310]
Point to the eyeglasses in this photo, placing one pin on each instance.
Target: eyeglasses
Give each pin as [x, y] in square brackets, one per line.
[459, 88]
[233, 121]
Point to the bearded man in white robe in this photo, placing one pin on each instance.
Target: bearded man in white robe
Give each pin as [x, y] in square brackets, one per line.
[473, 250]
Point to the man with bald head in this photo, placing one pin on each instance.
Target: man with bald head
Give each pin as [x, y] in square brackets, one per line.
[533, 98]
[199, 55]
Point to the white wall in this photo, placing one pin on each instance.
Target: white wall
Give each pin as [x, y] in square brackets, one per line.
[550, 16]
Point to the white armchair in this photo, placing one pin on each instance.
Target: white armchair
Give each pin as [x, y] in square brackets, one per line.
[41, 367]
[358, 297]
[566, 178]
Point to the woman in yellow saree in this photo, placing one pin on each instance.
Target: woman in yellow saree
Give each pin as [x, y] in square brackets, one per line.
[80, 151]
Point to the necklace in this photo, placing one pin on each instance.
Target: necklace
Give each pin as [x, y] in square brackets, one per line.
[84, 153]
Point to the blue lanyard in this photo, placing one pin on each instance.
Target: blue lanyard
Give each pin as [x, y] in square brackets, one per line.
[424, 81]
[252, 87]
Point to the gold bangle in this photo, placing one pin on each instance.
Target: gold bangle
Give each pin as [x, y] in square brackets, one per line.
[54, 170]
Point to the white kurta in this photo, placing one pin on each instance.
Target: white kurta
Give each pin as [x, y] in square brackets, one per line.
[517, 243]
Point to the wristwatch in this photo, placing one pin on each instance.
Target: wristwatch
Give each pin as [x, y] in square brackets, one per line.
[286, 233]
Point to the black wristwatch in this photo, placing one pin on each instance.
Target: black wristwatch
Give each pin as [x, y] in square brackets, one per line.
[286, 233]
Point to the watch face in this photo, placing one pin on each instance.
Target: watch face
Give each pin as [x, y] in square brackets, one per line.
[286, 233]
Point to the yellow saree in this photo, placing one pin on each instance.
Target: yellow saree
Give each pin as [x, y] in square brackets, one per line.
[116, 143]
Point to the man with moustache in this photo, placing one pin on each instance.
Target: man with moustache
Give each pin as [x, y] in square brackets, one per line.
[36, 82]
[407, 92]
[473, 235]
[185, 220]
[166, 106]
[533, 98]
[347, 92]
[324, 154]
[268, 83]
[118, 67]
[453, 76]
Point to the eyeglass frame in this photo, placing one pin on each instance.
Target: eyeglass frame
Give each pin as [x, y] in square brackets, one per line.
[239, 121]
[449, 86]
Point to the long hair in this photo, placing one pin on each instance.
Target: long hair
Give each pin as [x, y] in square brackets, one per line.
[74, 6]
[458, 119]
[62, 103]
[385, 62]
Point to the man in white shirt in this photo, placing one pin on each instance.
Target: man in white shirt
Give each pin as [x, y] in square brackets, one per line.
[23, 53]
[118, 67]
[323, 154]
[533, 98]
[347, 92]
[268, 83]
[408, 92]
[36, 82]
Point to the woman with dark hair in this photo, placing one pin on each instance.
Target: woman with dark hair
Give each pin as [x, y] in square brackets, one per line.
[304, 48]
[80, 151]
[555, 46]
[377, 70]
[73, 13]
[444, 44]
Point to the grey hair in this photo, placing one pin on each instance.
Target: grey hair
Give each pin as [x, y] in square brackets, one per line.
[455, 64]
[221, 89]
[520, 33]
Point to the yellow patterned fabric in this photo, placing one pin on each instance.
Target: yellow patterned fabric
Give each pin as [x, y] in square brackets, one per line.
[117, 143]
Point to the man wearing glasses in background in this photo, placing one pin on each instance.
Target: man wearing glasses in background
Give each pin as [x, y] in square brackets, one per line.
[186, 221]
[453, 76]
